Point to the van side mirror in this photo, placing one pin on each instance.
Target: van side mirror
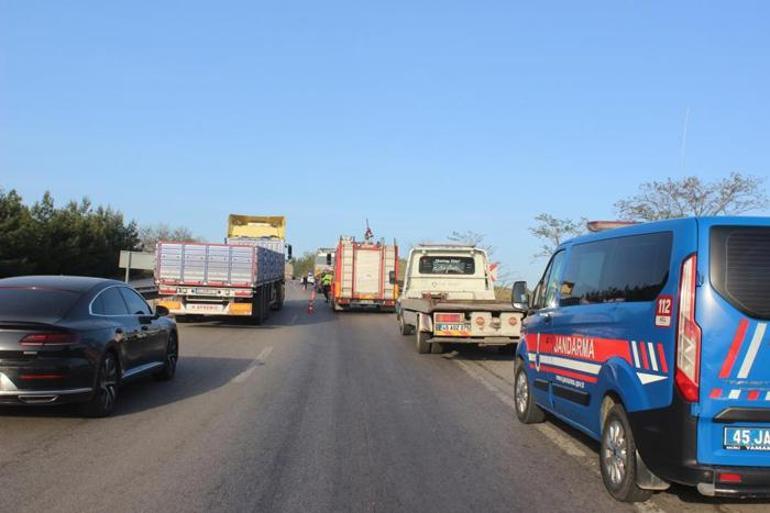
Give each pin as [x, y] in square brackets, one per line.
[328, 259]
[392, 277]
[288, 252]
[520, 296]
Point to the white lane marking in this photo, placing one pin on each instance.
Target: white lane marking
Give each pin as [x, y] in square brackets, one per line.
[550, 432]
[590, 368]
[561, 440]
[262, 356]
[734, 394]
[653, 359]
[648, 507]
[260, 360]
[759, 334]
[636, 353]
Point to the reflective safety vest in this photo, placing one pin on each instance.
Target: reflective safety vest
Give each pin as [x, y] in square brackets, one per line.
[326, 280]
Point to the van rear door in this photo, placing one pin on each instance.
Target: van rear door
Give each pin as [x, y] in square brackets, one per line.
[733, 311]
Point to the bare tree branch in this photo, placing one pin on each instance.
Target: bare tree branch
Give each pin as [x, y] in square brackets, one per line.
[691, 196]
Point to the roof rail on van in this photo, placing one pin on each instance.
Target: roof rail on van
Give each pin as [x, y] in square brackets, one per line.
[600, 226]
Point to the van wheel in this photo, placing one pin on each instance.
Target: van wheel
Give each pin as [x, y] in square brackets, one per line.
[436, 348]
[527, 411]
[423, 346]
[617, 458]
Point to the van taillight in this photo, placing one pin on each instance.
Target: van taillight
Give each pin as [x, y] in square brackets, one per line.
[49, 339]
[688, 337]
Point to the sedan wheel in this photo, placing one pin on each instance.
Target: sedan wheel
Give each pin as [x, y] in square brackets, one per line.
[172, 357]
[105, 396]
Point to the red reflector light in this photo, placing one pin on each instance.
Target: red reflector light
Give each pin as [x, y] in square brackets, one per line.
[728, 477]
[29, 377]
[449, 317]
[48, 339]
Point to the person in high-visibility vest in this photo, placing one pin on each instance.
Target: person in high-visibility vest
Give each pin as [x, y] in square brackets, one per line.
[326, 285]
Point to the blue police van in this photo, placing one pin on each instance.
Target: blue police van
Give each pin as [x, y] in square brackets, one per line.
[652, 339]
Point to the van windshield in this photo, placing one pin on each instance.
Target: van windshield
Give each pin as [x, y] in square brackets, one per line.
[740, 267]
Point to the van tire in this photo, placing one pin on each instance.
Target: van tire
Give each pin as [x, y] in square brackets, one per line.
[527, 410]
[617, 458]
[423, 346]
[436, 348]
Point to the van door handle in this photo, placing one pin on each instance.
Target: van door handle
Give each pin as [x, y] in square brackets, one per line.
[546, 317]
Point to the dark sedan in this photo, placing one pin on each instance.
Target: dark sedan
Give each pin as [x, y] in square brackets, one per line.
[77, 339]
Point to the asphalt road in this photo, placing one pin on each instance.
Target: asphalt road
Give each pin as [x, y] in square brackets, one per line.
[311, 413]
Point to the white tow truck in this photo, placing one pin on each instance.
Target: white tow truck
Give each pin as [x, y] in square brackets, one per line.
[449, 297]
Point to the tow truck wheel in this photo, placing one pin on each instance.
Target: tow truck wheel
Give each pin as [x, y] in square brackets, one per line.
[406, 329]
[423, 346]
[527, 411]
[617, 458]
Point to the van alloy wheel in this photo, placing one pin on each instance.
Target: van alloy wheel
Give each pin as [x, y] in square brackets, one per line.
[522, 393]
[615, 452]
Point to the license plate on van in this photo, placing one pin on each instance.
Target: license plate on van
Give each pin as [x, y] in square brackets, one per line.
[747, 439]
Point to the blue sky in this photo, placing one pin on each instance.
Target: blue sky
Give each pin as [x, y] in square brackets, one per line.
[425, 117]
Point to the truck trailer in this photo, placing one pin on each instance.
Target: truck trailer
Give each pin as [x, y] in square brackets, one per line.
[245, 277]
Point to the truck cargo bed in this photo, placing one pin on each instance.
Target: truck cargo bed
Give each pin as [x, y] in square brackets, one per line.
[447, 305]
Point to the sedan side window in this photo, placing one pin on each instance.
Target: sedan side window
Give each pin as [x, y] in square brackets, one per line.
[136, 304]
[109, 302]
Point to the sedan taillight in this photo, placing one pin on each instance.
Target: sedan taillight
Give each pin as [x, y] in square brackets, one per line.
[49, 339]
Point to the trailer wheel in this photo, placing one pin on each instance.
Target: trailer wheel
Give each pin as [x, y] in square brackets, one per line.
[423, 346]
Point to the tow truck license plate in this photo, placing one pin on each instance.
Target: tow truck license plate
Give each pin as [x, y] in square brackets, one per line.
[452, 328]
[747, 439]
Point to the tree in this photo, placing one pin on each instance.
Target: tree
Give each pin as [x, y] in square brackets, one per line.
[691, 196]
[304, 264]
[74, 239]
[150, 235]
[471, 238]
[553, 231]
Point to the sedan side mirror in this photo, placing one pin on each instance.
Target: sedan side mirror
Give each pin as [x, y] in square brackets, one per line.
[520, 296]
[161, 311]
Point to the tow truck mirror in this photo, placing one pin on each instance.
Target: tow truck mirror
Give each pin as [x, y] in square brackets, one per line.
[288, 252]
[328, 259]
[392, 277]
[520, 296]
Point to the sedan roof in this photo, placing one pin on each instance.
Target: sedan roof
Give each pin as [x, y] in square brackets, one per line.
[69, 283]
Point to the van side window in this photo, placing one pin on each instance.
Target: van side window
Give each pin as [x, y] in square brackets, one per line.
[625, 269]
[546, 293]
